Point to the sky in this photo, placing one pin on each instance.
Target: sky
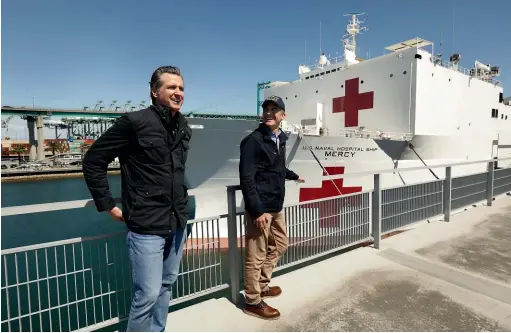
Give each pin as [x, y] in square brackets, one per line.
[71, 53]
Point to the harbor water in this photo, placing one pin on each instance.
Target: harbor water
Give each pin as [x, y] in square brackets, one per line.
[28, 229]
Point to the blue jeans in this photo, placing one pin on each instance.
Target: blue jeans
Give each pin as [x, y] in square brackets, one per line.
[155, 265]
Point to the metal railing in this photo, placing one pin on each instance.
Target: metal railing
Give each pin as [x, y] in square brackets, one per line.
[318, 228]
[350, 133]
[85, 283]
[465, 71]
[65, 285]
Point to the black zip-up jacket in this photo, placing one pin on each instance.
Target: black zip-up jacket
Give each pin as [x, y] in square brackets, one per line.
[263, 172]
[152, 148]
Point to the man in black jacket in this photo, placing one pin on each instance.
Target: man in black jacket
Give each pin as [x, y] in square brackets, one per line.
[263, 173]
[152, 146]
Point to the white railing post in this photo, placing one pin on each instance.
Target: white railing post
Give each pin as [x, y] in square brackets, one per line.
[233, 251]
[489, 184]
[447, 194]
[376, 212]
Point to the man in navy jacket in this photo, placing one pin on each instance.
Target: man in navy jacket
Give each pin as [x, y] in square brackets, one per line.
[263, 173]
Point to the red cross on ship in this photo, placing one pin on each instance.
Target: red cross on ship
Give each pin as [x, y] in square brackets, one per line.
[352, 102]
[329, 210]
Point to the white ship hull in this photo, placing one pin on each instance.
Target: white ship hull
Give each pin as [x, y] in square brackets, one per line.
[214, 166]
[360, 116]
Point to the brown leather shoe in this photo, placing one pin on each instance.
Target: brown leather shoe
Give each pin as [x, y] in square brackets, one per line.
[271, 292]
[262, 310]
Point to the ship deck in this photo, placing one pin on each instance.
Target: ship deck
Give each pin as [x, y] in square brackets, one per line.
[415, 257]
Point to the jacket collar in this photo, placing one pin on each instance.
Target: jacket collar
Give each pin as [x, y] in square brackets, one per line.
[165, 114]
[265, 131]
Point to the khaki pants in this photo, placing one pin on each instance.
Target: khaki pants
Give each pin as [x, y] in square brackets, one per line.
[263, 250]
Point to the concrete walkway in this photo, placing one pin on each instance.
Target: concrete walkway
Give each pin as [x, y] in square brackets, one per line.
[438, 276]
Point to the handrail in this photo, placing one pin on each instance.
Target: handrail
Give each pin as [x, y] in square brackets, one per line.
[48, 207]
[58, 243]
[63, 205]
[372, 172]
[366, 173]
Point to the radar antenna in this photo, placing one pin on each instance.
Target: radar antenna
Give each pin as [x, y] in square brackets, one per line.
[353, 28]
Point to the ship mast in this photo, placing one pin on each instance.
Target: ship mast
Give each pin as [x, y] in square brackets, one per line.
[349, 42]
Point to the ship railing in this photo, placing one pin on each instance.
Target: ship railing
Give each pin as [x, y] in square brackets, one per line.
[449, 65]
[333, 61]
[377, 135]
[468, 72]
[354, 133]
[84, 283]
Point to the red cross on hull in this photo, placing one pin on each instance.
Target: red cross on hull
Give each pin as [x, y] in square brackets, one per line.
[329, 210]
[352, 102]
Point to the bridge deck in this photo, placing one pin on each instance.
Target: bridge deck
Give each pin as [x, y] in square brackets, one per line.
[28, 111]
[438, 276]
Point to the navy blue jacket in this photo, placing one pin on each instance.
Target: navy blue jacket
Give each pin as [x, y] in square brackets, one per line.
[263, 172]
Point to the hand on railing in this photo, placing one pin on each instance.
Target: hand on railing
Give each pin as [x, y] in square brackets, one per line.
[116, 214]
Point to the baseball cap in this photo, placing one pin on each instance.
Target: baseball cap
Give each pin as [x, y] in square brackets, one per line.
[275, 99]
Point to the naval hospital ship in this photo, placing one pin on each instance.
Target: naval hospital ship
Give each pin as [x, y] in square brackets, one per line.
[406, 108]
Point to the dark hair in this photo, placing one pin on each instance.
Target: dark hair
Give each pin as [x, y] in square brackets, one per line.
[155, 83]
